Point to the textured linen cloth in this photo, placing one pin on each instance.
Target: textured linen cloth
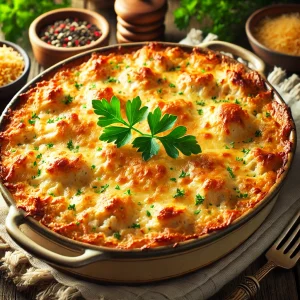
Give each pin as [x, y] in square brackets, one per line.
[205, 282]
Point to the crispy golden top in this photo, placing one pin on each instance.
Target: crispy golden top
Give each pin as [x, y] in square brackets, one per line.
[59, 172]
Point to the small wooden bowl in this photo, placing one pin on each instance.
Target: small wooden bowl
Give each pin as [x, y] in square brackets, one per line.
[48, 55]
[272, 57]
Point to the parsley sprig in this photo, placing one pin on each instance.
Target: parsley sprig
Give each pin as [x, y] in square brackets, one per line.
[110, 113]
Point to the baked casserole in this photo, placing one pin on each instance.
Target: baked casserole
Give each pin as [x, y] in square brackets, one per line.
[93, 191]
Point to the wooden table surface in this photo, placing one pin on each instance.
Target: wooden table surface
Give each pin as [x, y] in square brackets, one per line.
[280, 284]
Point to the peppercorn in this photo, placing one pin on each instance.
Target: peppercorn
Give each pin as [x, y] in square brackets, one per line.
[70, 32]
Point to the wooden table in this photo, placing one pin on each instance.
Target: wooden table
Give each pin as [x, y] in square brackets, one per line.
[280, 284]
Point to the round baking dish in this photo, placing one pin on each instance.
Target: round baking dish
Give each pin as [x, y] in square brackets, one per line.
[145, 265]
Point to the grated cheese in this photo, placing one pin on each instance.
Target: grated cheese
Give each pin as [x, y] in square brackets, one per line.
[281, 33]
[11, 65]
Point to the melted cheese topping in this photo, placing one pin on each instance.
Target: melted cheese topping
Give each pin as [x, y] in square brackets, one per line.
[59, 172]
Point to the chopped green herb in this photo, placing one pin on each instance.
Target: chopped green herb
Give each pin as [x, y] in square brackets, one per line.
[237, 101]
[71, 207]
[199, 199]
[128, 192]
[135, 225]
[79, 192]
[35, 164]
[187, 64]
[172, 85]
[77, 73]
[179, 193]
[70, 145]
[37, 175]
[92, 86]
[184, 174]
[230, 172]
[241, 195]
[258, 133]
[152, 205]
[50, 121]
[117, 187]
[173, 179]
[159, 91]
[93, 167]
[268, 115]
[197, 212]
[99, 149]
[200, 112]
[246, 151]
[31, 122]
[112, 79]
[52, 194]
[102, 189]
[117, 235]
[202, 103]
[68, 99]
[180, 93]
[203, 71]
[78, 86]
[83, 106]
[35, 147]
[148, 213]
[77, 223]
[240, 159]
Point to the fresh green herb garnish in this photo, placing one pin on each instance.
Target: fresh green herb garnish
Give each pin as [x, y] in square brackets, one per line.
[237, 102]
[117, 235]
[93, 167]
[37, 175]
[179, 193]
[184, 174]
[172, 85]
[258, 133]
[159, 91]
[152, 205]
[128, 192]
[50, 121]
[79, 192]
[202, 103]
[246, 151]
[78, 86]
[240, 159]
[39, 156]
[180, 93]
[110, 113]
[135, 225]
[71, 207]
[230, 172]
[148, 213]
[112, 79]
[173, 179]
[199, 199]
[68, 99]
[117, 187]
[200, 112]
[268, 115]
[197, 212]
[102, 189]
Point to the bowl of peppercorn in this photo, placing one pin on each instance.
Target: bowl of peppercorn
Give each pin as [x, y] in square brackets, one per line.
[62, 33]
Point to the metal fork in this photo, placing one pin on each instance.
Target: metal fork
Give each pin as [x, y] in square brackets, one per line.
[284, 253]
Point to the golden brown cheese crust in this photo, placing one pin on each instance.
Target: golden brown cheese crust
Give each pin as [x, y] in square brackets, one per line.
[59, 172]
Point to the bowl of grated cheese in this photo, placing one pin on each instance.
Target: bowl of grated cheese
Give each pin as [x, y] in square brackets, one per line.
[14, 71]
[274, 35]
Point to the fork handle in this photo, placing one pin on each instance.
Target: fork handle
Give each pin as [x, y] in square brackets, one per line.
[248, 288]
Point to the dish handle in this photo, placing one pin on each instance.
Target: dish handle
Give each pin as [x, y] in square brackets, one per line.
[13, 221]
[257, 64]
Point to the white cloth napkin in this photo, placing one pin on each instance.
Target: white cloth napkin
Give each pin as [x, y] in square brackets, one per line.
[207, 281]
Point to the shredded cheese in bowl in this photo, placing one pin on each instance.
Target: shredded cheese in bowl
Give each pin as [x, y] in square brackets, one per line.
[280, 33]
[11, 65]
